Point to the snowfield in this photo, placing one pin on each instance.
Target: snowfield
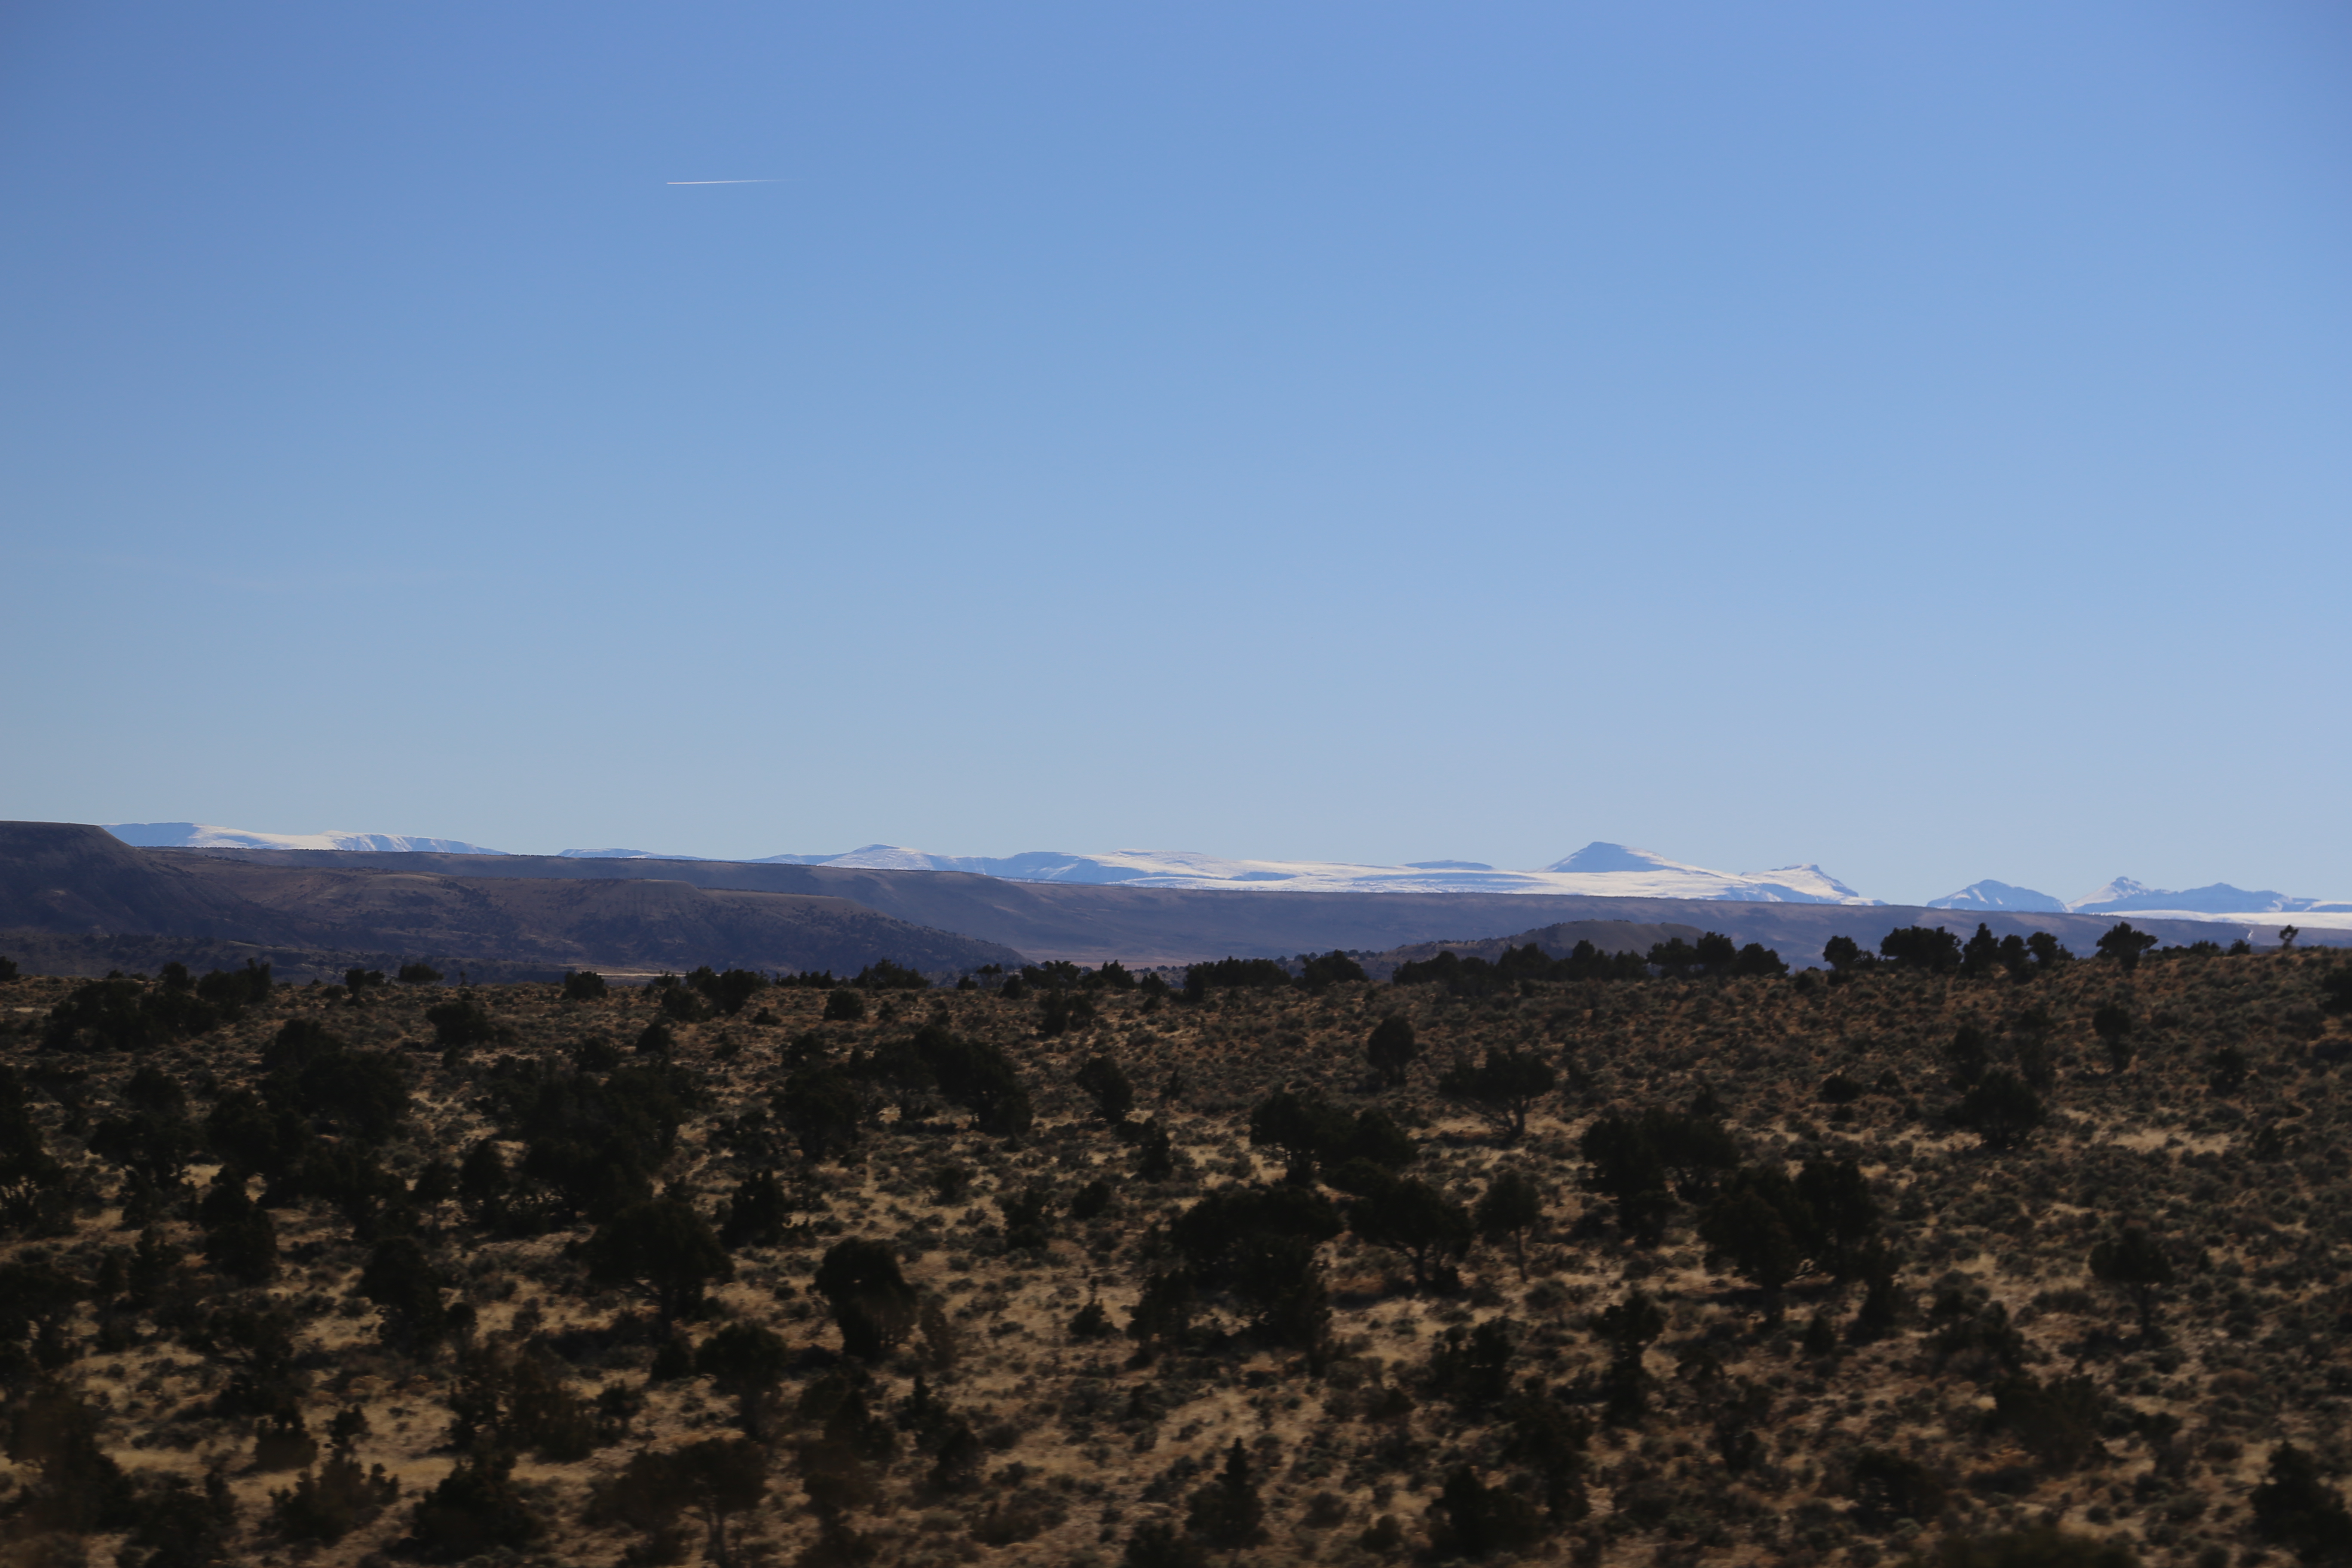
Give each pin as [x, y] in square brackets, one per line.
[1598, 870]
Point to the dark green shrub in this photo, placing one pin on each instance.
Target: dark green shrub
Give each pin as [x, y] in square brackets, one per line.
[2036, 1546]
[474, 1510]
[1102, 1081]
[125, 1016]
[663, 1247]
[756, 1212]
[2000, 1110]
[1417, 1221]
[2297, 1510]
[402, 1283]
[1333, 968]
[339, 1499]
[1889, 1487]
[1227, 1514]
[978, 1077]
[2124, 945]
[729, 992]
[2057, 1421]
[747, 1363]
[1092, 1201]
[1478, 1520]
[240, 1239]
[1159, 1545]
[1111, 976]
[363, 1095]
[461, 1022]
[1472, 1367]
[1234, 975]
[872, 1304]
[1392, 1048]
[1929, 950]
[882, 974]
[1064, 1012]
[2133, 1262]
[1025, 1227]
[231, 989]
[505, 1402]
[1501, 1090]
[1969, 1054]
[820, 1106]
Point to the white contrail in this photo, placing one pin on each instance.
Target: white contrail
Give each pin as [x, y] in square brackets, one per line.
[719, 182]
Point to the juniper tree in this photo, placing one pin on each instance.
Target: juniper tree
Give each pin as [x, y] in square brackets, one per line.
[2296, 1509]
[1392, 1048]
[1480, 1521]
[2113, 1025]
[1628, 1328]
[1102, 1081]
[664, 1248]
[719, 1477]
[755, 1212]
[1510, 1207]
[747, 1362]
[1501, 1090]
[2134, 1263]
[2001, 1109]
[872, 1304]
[1415, 1219]
[2124, 945]
[1227, 1514]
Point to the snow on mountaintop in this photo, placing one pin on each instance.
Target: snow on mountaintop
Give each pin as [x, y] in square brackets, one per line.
[2116, 892]
[1784, 885]
[1600, 870]
[205, 836]
[1992, 895]
[2124, 896]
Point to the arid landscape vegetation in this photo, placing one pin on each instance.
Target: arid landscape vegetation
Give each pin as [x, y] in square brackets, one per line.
[1968, 1255]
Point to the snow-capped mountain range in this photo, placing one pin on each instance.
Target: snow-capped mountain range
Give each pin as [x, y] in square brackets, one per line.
[1598, 870]
[203, 835]
[2218, 900]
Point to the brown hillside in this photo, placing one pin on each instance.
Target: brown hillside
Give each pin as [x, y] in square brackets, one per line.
[1682, 1370]
[76, 894]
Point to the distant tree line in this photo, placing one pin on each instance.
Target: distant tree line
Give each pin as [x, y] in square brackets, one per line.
[1932, 949]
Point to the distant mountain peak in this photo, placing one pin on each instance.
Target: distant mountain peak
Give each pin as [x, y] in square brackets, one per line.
[1809, 881]
[1993, 895]
[1597, 858]
[2116, 892]
[2124, 896]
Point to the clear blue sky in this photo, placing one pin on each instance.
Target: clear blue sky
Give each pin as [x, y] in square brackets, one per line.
[1916, 438]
